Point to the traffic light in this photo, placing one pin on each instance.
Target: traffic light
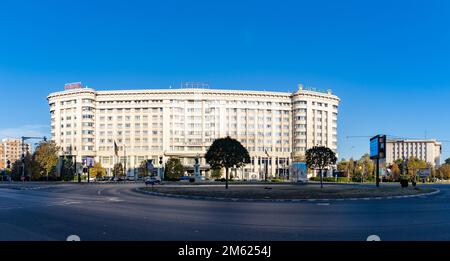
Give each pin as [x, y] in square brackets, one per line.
[8, 164]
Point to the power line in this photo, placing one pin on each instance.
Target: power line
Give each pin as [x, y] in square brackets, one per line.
[396, 137]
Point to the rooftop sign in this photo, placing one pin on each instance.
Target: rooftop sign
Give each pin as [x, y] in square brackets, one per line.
[71, 86]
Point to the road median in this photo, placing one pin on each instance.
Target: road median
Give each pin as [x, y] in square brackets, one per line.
[287, 193]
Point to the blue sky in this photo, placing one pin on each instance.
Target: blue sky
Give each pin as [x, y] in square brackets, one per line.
[389, 61]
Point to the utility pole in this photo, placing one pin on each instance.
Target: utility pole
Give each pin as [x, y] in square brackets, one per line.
[23, 159]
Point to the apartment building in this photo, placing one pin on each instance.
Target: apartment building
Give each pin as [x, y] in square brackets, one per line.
[275, 127]
[11, 149]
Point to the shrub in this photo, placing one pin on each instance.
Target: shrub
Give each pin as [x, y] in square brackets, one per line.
[342, 179]
[276, 180]
[404, 183]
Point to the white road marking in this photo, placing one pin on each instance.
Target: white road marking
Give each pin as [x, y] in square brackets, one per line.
[114, 199]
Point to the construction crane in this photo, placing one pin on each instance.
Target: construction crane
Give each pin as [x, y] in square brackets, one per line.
[23, 152]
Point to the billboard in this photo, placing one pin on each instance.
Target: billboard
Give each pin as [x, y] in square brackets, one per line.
[378, 147]
[88, 162]
[374, 147]
[298, 172]
[424, 173]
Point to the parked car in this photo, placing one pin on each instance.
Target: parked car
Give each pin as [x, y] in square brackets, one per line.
[185, 178]
[152, 180]
[130, 178]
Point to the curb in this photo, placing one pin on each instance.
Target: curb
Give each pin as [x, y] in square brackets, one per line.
[28, 188]
[140, 190]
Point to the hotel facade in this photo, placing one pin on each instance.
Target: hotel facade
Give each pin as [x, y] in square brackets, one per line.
[276, 127]
[426, 150]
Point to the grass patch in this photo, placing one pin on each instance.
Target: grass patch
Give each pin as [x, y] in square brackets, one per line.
[291, 191]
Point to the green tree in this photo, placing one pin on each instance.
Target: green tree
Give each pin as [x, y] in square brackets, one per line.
[118, 170]
[142, 170]
[444, 171]
[433, 171]
[395, 171]
[368, 166]
[173, 169]
[319, 158]
[46, 157]
[67, 170]
[227, 153]
[342, 165]
[16, 170]
[415, 164]
[32, 171]
[216, 173]
[447, 161]
[347, 167]
[97, 171]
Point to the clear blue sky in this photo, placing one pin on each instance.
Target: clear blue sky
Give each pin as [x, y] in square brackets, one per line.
[389, 61]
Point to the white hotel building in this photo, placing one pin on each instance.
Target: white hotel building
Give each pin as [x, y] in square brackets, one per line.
[426, 150]
[277, 127]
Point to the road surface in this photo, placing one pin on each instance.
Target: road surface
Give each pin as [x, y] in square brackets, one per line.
[117, 212]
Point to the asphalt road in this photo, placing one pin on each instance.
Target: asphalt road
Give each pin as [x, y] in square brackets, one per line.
[116, 212]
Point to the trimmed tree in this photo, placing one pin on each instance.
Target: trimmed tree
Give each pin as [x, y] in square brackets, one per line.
[173, 169]
[319, 158]
[227, 153]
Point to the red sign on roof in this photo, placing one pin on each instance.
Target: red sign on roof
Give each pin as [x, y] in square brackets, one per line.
[71, 86]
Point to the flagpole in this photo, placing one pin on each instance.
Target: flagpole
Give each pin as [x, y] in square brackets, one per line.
[124, 161]
[116, 155]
